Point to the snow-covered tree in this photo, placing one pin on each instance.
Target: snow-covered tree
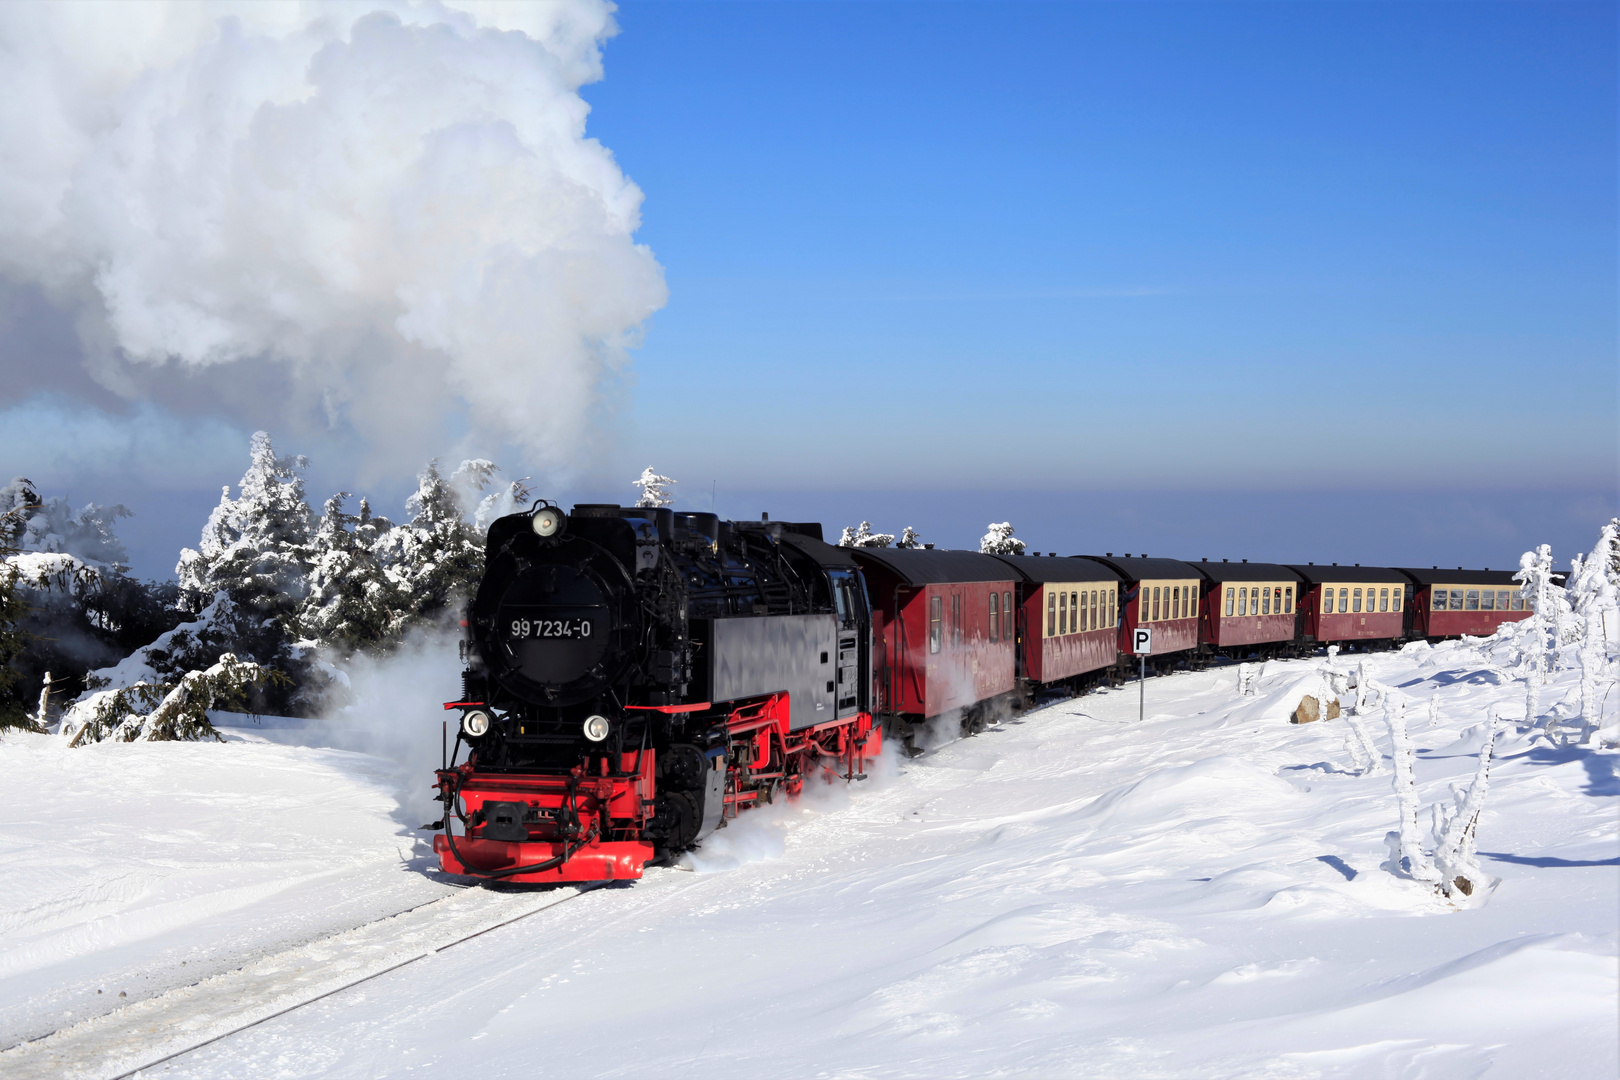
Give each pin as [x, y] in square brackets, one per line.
[1592, 595]
[908, 538]
[255, 546]
[864, 537]
[1540, 595]
[77, 607]
[351, 600]
[163, 712]
[1000, 540]
[434, 558]
[13, 707]
[653, 488]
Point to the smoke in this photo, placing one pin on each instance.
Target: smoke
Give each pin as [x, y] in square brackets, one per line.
[394, 711]
[383, 216]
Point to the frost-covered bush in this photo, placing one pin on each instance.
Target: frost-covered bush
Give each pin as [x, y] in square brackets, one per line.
[1453, 868]
[654, 488]
[908, 539]
[999, 540]
[74, 605]
[163, 712]
[864, 537]
[1595, 619]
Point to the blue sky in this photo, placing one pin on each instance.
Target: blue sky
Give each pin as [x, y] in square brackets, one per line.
[1279, 280]
[1162, 245]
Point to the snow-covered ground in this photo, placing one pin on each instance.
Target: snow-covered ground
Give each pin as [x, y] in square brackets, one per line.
[1203, 894]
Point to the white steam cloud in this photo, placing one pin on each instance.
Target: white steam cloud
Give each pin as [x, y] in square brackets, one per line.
[390, 212]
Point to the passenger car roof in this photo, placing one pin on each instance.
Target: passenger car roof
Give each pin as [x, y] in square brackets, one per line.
[921, 566]
[1244, 571]
[1137, 569]
[1315, 575]
[1074, 568]
[1442, 576]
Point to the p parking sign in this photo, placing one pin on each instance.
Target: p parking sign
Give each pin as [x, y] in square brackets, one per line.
[1142, 640]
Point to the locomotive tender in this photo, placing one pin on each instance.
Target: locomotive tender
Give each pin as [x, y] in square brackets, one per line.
[637, 676]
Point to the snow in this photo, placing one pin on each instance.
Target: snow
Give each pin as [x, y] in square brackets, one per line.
[1072, 894]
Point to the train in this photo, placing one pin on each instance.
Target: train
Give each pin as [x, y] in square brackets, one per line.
[635, 677]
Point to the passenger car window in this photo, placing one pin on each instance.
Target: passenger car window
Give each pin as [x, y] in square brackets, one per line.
[1063, 613]
[1008, 628]
[936, 606]
[1456, 600]
[1501, 600]
[1077, 614]
[1265, 602]
[1344, 601]
[1487, 600]
[1355, 598]
[1473, 600]
[1243, 601]
[1383, 599]
[995, 616]
[1231, 602]
[1518, 602]
[1397, 599]
[1156, 603]
[1288, 600]
[1051, 614]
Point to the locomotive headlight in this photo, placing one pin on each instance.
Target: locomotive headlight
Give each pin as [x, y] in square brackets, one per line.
[475, 723]
[548, 521]
[597, 728]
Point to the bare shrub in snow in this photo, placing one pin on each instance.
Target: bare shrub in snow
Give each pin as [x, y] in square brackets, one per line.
[1406, 843]
[653, 487]
[1456, 827]
[864, 537]
[163, 712]
[999, 540]
[1592, 595]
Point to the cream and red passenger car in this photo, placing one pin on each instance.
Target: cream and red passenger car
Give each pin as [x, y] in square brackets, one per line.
[1068, 617]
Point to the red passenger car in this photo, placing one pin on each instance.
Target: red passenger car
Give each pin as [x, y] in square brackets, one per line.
[1450, 603]
[1249, 608]
[1161, 594]
[1068, 616]
[1352, 603]
[943, 633]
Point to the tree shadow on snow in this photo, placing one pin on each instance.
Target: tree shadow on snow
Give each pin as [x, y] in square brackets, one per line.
[1602, 770]
[1338, 864]
[1322, 767]
[1547, 861]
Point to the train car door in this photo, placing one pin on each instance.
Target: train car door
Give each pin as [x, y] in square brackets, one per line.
[854, 641]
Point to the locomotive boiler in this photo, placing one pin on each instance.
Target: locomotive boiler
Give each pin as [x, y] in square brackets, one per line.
[635, 677]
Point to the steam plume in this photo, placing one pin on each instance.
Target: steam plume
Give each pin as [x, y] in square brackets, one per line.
[388, 211]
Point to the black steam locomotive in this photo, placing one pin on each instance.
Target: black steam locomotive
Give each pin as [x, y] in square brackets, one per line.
[636, 676]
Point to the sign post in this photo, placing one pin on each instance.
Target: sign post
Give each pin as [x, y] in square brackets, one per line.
[1142, 645]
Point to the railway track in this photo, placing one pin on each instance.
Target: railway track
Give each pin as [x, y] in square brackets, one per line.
[153, 1030]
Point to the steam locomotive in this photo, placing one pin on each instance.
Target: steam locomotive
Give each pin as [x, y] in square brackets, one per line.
[635, 677]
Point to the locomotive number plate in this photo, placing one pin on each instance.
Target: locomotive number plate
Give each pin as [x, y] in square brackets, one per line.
[520, 629]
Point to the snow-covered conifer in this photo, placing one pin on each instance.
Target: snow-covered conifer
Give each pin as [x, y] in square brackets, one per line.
[908, 539]
[999, 540]
[434, 558]
[350, 600]
[653, 488]
[864, 537]
[163, 712]
[255, 546]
